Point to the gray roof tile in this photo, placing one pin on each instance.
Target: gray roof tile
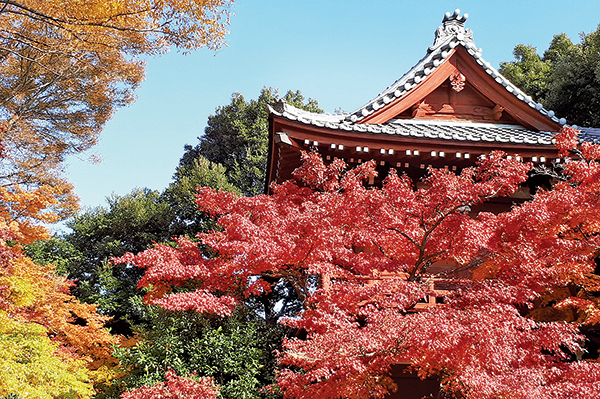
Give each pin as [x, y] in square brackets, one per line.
[590, 134]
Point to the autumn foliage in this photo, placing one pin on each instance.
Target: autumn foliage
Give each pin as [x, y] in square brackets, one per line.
[364, 261]
[52, 345]
[67, 66]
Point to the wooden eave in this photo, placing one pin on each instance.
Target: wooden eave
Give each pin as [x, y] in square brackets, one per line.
[299, 132]
[460, 61]
[284, 158]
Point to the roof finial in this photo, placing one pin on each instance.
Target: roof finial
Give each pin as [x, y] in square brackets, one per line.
[453, 26]
[455, 18]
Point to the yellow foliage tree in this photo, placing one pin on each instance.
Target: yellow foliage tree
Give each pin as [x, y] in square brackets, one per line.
[33, 366]
[52, 345]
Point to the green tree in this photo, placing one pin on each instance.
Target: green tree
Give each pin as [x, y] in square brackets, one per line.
[238, 352]
[566, 78]
[131, 222]
[56, 251]
[529, 72]
[134, 221]
[237, 137]
[180, 195]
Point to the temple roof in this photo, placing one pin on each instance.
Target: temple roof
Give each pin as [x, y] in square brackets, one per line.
[590, 134]
[434, 129]
[448, 110]
[527, 121]
[449, 36]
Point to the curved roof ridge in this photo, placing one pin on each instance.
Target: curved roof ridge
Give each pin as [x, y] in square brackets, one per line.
[448, 36]
[282, 108]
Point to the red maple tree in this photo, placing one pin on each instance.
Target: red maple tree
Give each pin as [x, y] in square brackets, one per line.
[176, 387]
[362, 260]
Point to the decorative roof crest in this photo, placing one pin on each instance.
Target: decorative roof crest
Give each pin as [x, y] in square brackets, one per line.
[279, 106]
[453, 26]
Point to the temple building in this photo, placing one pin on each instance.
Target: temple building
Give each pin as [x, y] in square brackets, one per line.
[449, 109]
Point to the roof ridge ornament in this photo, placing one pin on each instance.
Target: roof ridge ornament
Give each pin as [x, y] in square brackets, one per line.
[453, 26]
[279, 105]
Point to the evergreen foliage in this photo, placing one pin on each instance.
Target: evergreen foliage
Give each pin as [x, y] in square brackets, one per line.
[181, 194]
[565, 79]
[237, 352]
[237, 137]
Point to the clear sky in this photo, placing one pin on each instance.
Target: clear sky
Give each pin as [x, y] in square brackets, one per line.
[340, 52]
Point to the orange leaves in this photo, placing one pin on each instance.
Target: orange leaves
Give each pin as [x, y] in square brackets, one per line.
[35, 295]
[589, 309]
[20, 210]
[66, 66]
[145, 26]
[589, 282]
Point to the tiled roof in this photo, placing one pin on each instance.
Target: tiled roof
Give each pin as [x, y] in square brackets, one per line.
[468, 131]
[590, 134]
[444, 130]
[450, 35]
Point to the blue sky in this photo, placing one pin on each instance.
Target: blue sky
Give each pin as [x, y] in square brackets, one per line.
[340, 52]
